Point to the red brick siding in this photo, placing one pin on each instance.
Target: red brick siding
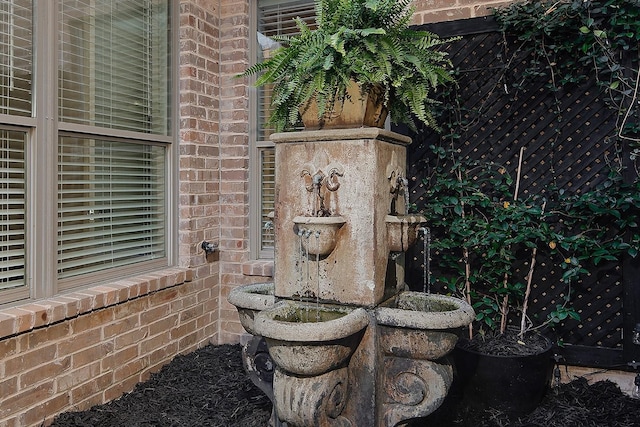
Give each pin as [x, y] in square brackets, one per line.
[90, 347]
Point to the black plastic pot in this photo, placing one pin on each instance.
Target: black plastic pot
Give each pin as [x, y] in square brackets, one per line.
[513, 385]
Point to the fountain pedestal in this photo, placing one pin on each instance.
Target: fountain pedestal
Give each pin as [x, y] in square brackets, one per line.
[351, 346]
[355, 160]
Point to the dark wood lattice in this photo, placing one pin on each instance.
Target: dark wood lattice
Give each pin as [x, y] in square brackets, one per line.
[571, 150]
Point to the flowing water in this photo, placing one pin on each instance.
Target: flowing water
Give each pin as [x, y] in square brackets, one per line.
[305, 276]
[426, 259]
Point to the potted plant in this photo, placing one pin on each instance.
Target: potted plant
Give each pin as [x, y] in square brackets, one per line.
[487, 240]
[366, 43]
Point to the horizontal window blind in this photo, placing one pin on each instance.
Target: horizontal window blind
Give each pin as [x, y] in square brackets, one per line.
[12, 209]
[276, 19]
[16, 57]
[113, 69]
[111, 205]
[267, 187]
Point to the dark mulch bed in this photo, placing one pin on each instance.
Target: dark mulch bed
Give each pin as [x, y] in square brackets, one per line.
[209, 388]
[509, 343]
[575, 404]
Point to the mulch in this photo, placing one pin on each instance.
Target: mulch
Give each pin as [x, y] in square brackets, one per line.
[574, 404]
[209, 387]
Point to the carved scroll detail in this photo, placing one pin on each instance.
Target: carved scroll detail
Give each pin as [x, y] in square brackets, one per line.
[321, 181]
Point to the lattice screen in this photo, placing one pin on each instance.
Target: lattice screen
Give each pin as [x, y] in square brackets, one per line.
[500, 120]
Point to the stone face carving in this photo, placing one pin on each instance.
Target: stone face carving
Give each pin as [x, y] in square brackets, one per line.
[350, 346]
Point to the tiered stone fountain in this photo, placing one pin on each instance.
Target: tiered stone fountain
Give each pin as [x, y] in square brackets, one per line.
[351, 346]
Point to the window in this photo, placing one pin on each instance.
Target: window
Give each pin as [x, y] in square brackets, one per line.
[12, 209]
[274, 17]
[16, 60]
[85, 140]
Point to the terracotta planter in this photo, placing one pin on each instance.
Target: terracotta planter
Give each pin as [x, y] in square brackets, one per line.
[356, 109]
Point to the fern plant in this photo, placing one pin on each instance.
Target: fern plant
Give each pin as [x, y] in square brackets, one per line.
[366, 41]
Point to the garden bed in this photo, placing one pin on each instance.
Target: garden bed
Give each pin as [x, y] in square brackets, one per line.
[209, 387]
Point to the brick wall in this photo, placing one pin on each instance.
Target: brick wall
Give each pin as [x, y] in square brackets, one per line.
[91, 346]
[430, 11]
[236, 265]
[199, 154]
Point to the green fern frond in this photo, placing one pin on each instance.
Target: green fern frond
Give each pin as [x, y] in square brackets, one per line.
[368, 41]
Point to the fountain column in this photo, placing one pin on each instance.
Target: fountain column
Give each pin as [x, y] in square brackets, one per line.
[357, 161]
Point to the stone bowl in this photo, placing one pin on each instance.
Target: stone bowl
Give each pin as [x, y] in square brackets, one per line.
[306, 338]
[420, 325]
[251, 299]
[402, 231]
[323, 229]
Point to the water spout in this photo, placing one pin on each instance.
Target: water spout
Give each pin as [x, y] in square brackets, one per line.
[404, 186]
[314, 183]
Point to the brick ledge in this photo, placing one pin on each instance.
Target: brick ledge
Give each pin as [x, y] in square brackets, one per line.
[259, 267]
[36, 314]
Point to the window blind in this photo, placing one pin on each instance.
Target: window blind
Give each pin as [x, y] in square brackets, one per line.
[16, 57]
[275, 17]
[12, 209]
[113, 69]
[111, 205]
[267, 187]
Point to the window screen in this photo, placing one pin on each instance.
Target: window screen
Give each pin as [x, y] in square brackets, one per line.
[15, 57]
[113, 64]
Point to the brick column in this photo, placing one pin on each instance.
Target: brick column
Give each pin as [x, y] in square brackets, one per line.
[199, 157]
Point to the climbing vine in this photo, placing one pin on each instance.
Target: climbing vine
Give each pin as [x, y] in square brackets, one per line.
[486, 234]
[573, 41]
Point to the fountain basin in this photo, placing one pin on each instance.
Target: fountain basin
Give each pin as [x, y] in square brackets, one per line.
[402, 231]
[322, 229]
[308, 338]
[251, 299]
[422, 326]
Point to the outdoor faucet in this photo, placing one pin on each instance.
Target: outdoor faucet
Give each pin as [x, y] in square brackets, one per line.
[209, 247]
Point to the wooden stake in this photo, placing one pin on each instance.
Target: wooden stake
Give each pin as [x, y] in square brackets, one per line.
[504, 309]
[527, 293]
